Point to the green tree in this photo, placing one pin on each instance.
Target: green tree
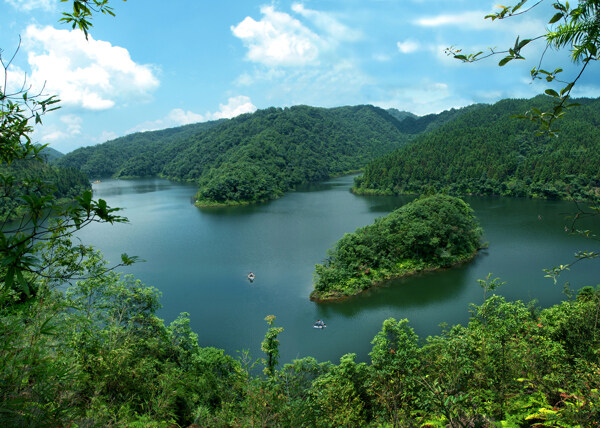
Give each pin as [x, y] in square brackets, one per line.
[393, 370]
[270, 346]
[43, 219]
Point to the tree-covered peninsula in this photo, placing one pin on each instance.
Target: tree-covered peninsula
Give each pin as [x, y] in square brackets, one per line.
[487, 151]
[428, 233]
[253, 157]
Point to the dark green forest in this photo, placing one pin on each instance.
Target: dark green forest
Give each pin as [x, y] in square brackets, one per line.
[253, 157]
[485, 151]
[426, 234]
[34, 177]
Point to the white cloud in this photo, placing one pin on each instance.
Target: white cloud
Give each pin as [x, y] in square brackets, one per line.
[281, 40]
[408, 46]
[234, 107]
[73, 124]
[91, 74]
[69, 126]
[301, 57]
[278, 39]
[178, 117]
[28, 5]
[181, 117]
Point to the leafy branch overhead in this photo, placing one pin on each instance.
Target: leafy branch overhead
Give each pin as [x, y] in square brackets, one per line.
[572, 27]
[36, 227]
[83, 10]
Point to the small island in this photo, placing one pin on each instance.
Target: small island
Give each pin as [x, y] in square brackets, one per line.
[429, 233]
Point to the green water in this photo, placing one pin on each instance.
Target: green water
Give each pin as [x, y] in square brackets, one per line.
[199, 259]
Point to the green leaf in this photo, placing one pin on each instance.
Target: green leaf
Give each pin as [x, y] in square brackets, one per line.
[556, 18]
[552, 93]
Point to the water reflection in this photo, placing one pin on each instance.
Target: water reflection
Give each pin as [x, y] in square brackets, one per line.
[117, 187]
[420, 290]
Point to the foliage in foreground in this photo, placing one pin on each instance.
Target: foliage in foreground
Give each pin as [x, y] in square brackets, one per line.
[97, 355]
[428, 233]
[35, 178]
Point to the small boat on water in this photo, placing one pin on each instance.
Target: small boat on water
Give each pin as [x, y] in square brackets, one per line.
[319, 324]
[251, 277]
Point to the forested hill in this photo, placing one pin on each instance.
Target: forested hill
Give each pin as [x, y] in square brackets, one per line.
[30, 177]
[413, 125]
[487, 151]
[131, 152]
[252, 157]
[49, 154]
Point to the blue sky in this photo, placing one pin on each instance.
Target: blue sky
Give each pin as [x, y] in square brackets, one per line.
[161, 64]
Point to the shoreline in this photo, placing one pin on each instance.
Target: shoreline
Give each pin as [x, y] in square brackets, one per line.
[359, 191]
[334, 296]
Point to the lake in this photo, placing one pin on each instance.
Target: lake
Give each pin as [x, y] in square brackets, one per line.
[200, 259]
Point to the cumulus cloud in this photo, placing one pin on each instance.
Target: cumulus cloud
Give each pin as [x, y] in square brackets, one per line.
[181, 117]
[28, 5]
[178, 117]
[234, 107]
[302, 56]
[408, 46]
[278, 39]
[91, 74]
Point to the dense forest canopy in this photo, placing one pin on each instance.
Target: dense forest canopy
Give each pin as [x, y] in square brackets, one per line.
[34, 177]
[252, 157]
[487, 151]
[428, 233]
[478, 149]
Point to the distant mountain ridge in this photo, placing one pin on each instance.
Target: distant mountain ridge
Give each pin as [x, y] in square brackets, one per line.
[50, 154]
[253, 157]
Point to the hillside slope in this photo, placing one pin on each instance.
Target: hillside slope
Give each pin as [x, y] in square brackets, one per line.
[487, 151]
[29, 177]
[253, 157]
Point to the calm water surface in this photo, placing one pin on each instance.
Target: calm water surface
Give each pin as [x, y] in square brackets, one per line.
[199, 259]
